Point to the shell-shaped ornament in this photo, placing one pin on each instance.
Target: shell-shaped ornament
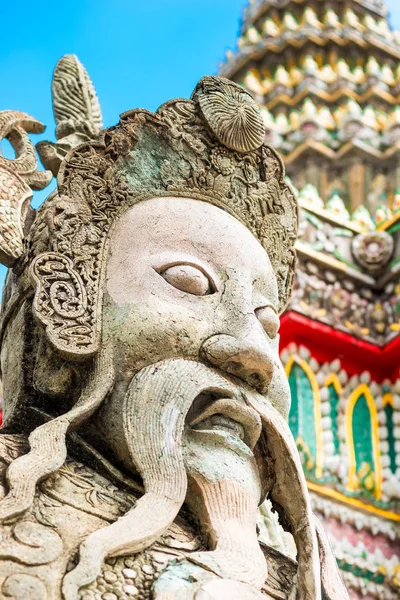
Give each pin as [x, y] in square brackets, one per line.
[231, 113]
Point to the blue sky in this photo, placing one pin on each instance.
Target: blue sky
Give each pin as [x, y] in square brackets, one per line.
[138, 53]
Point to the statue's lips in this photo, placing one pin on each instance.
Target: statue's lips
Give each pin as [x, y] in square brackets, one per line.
[231, 416]
[219, 422]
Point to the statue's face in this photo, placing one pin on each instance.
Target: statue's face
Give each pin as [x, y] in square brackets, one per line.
[187, 280]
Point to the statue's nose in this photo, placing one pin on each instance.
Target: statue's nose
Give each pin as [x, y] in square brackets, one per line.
[249, 357]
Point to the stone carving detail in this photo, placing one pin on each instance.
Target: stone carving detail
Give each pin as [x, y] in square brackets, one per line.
[231, 113]
[61, 299]
[140, 336]
[74, 99]
[18, 178]
[31, 544]
[21, 586]
[76, 110]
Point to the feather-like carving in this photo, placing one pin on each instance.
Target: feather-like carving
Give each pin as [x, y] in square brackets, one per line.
[18, 177]
[75, 101]
[76, 111]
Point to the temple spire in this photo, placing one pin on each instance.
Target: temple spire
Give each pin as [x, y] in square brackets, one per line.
[327, 75]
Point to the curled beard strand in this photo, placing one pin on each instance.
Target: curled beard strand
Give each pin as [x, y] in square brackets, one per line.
[48, 450]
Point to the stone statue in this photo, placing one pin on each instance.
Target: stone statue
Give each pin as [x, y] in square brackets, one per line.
[145, 403]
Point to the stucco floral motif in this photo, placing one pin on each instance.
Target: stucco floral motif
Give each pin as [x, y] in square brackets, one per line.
[222, 160]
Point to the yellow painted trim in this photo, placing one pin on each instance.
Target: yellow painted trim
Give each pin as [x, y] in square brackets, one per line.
[387, 224]
[324, 258]
[388, 399]
[336, 219]
[319, 460]
[333, 379]
[325, 491]
[363, 390]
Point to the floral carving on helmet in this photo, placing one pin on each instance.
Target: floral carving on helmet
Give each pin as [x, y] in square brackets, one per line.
[222, 160]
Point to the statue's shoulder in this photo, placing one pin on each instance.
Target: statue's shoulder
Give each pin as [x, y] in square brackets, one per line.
[74, 502]
[75, 484]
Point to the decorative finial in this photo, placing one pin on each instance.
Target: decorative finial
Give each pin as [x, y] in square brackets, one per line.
[231, 113]
[75, 103]
[76, 111]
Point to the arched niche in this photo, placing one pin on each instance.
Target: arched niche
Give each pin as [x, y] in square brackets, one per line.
[305, 413]
[364, 469]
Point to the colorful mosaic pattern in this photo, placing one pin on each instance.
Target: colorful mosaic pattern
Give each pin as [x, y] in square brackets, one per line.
[327, 78]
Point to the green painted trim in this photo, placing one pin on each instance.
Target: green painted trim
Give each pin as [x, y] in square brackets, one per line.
[362, 432]
[339, 257]
[394, 228]
[340, 232]
[391, 439]
[375, 577]
[314, 220]
[334, 414]
[396, 260]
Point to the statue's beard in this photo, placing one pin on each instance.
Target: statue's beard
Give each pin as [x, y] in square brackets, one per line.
[158, 433]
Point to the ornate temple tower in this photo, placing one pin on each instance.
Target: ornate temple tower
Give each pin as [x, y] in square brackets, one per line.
[327, 76]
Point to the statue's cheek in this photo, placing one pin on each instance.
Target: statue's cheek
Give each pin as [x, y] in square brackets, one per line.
[150, 331]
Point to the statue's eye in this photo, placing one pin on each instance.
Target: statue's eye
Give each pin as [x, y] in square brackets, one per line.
[269, 320]
[189, 279]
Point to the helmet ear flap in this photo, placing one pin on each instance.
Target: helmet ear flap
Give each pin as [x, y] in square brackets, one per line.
[61, 305]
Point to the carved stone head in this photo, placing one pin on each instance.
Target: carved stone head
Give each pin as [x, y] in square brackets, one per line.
[145, 311]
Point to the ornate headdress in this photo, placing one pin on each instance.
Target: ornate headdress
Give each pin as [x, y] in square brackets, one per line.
[210, 148]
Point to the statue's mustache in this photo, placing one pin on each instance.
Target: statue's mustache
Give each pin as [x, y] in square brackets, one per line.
[155, 409]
